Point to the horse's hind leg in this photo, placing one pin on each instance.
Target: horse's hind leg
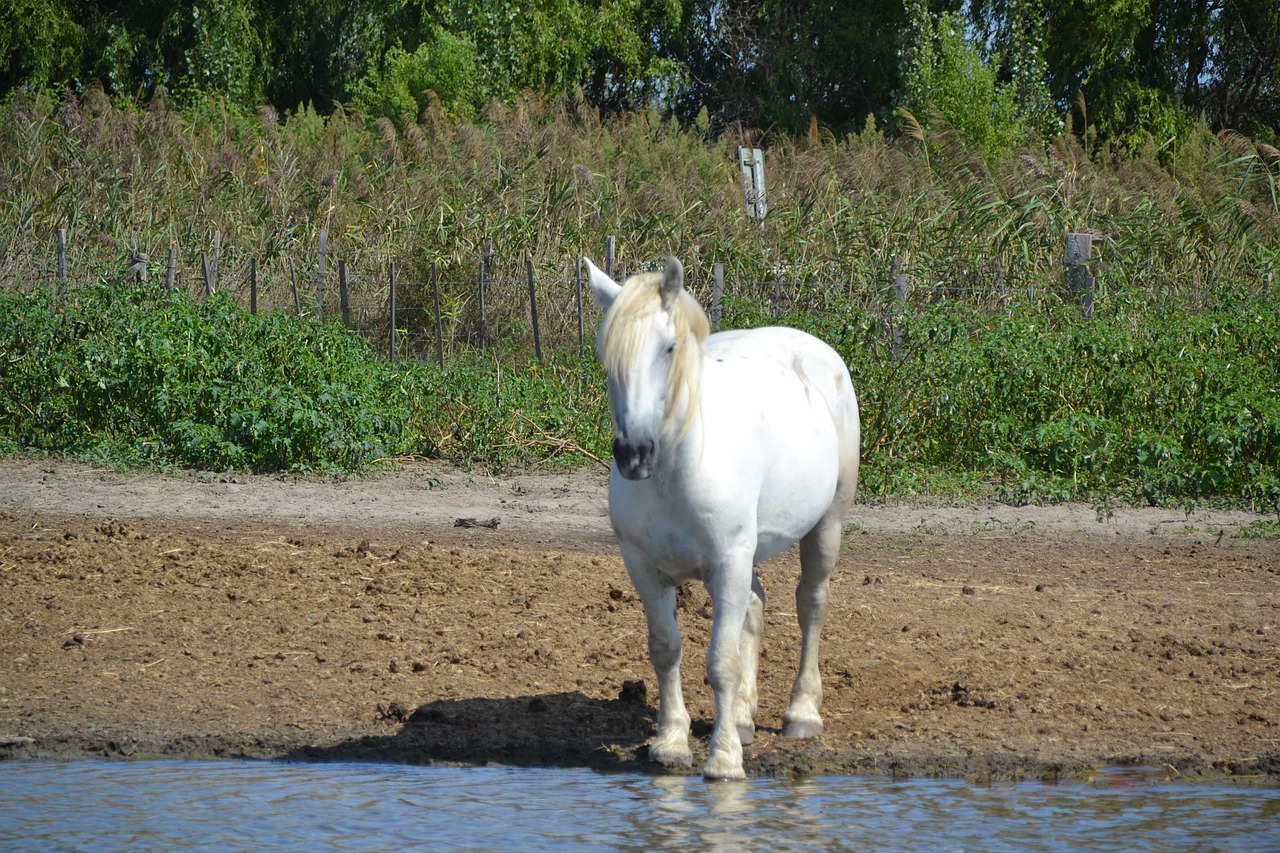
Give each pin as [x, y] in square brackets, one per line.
[819, 550]
[749, 654]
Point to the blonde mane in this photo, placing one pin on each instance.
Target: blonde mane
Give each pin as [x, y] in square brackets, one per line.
[624, 329]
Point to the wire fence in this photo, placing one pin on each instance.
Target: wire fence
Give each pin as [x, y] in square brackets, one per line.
[407, 311]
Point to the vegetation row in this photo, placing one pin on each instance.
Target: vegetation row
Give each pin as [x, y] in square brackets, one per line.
[1167, 408]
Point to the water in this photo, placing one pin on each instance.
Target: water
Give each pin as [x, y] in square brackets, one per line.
[262, 806]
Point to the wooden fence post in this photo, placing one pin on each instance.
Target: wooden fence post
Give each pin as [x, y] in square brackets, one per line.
[435, 295]
[61, 286]
[208, 274]
[293, 282]
[215, 259]
[608, 255]
[344, 293]
[717, 290]
[138, 264]
[320, 262]
[777, 291]
[533, 307]
[392, 337]
[253, 285]
[171, 269]
[1079, 249]
[898, 280]
[485, 257]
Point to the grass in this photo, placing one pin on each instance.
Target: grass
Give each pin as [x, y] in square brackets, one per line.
[1268, 529]
[1198, 221]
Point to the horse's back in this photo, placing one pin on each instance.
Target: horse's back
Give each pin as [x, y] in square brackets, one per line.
[785, 407]
[781, 365]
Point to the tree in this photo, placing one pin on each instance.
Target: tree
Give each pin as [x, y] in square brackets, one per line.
[1150, 69]
[402, 83]
[945, 75]
[320, 48]
[215, 47]
[553, 47]
[779, 63]
[208, 47]
[39, 43]
[1009, 34]
[1243, 89]
[630, 62]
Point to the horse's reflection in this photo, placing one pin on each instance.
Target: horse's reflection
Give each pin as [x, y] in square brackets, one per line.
[687, 810]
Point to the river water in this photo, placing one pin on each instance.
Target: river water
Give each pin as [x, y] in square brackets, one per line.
[268, 806]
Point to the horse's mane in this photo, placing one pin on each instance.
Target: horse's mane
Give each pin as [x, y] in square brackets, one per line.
[623, 332]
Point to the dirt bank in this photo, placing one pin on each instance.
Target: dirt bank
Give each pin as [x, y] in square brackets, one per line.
[200, 616]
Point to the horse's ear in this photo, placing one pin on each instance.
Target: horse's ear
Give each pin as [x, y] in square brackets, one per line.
[672, 282]
[603, 288]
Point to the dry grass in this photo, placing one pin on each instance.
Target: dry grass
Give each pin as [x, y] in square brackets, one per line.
[554, 179]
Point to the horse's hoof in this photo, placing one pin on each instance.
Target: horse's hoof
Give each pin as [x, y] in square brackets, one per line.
[718, 769]
[802, 728]
[671, 755]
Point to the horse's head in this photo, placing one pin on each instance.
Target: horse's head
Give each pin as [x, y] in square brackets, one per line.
[651, 344]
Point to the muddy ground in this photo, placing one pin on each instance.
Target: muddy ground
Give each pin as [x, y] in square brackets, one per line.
[202, 616]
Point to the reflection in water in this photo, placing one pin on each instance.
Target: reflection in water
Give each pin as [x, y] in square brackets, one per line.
[685, 811]
[103, 806]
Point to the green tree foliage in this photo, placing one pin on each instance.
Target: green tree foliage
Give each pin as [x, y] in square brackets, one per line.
[213, 47]
[1147, 71]
[1139, 73]
[219, 51]
[779, 63]
[320, 48]
[554, 47]
[402, 84]
[1012, 32]
[39, 43]
[1243, 90]
[944, 76]
[628, 66]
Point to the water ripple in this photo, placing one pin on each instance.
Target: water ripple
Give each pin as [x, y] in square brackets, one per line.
[261, 806]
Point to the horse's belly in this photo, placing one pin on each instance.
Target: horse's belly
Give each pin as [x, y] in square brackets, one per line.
[792, 506]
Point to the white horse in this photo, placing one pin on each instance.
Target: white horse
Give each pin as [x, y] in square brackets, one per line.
[729, 448]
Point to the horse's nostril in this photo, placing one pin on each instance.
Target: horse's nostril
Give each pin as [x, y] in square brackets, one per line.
[633, 458]
[632, 450]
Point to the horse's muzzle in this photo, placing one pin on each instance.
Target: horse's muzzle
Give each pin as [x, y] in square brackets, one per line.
[634, 459]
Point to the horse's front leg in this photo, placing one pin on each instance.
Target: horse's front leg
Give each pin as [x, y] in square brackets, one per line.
[670, 746]
[731, 599]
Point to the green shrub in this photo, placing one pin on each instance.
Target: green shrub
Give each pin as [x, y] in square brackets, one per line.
[135, 375]
[1157, 408]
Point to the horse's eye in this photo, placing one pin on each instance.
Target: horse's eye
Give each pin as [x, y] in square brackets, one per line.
[671, 348]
